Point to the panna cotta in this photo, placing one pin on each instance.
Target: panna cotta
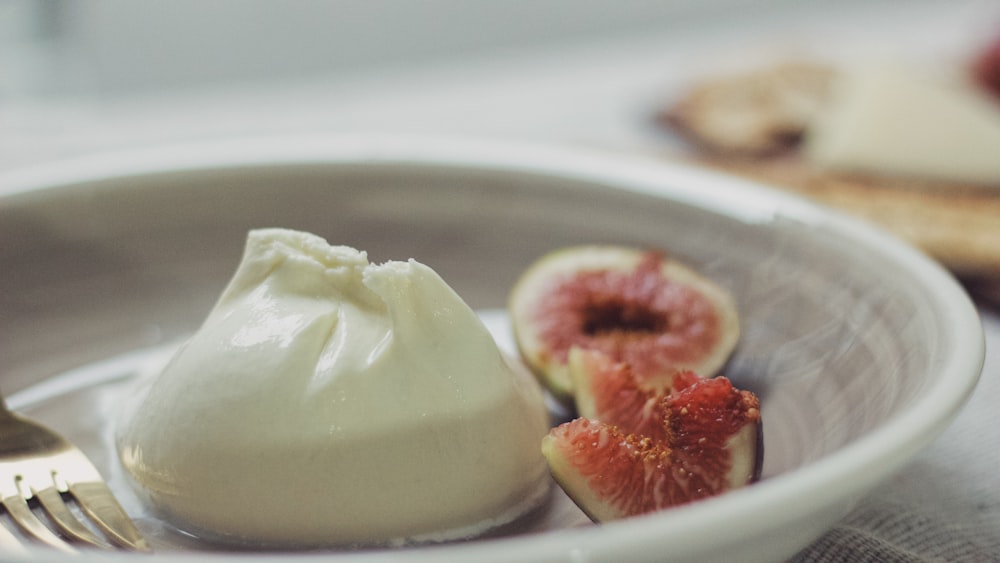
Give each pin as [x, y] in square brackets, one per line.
[329, 401]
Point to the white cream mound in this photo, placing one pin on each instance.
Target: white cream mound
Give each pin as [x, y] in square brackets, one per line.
[327, 401]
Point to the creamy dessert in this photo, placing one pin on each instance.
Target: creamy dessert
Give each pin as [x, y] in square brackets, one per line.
[330, 401]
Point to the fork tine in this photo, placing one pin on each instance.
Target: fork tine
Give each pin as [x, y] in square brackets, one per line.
[97, 501]
[21, 513]
[45, 465]
[68, 524]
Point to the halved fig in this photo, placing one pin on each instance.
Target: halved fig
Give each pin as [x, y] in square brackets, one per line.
[711, 444]
[608, 391]
[638, 307]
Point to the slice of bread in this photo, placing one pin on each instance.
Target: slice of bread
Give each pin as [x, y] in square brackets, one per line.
[761, 112]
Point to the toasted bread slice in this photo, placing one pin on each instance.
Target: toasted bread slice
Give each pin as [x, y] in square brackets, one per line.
[758, 113]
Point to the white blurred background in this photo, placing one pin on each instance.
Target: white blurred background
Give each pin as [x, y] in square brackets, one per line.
[116, 47]
[92, 75]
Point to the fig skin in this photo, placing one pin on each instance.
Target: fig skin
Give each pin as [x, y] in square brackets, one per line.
[662, 314]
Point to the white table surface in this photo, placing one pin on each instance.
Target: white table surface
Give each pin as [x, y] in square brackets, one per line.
[597, 94]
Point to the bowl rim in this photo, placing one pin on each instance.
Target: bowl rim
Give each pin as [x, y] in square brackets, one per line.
[785, 498]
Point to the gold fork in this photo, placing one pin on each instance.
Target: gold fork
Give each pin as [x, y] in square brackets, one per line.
[38, 464]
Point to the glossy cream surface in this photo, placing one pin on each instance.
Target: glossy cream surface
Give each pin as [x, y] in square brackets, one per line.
[329, 401]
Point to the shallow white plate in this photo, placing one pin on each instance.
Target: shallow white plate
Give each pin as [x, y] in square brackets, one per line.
[860, 348]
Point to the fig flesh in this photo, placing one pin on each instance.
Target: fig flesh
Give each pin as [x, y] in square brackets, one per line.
[608, 391]
[638, 307]
[677, 447]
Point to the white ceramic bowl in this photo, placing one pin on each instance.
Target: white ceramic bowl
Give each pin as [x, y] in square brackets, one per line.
[861, 349]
